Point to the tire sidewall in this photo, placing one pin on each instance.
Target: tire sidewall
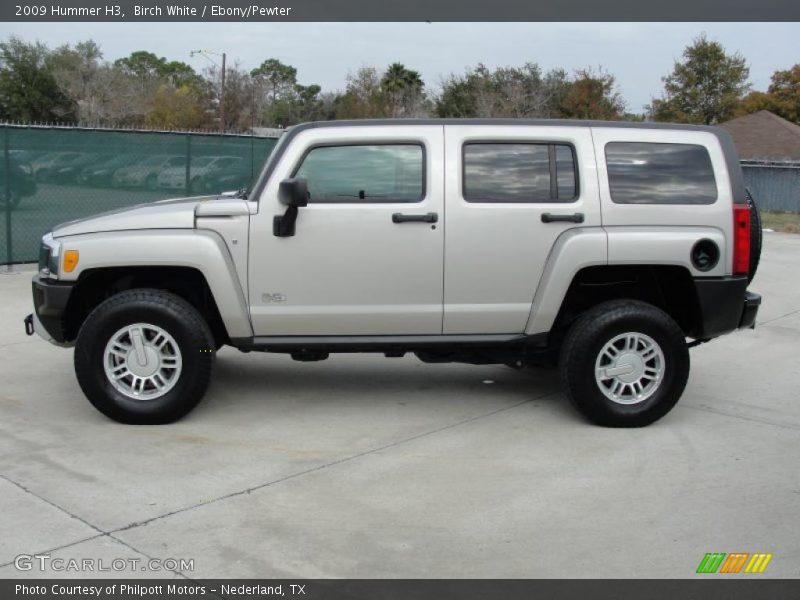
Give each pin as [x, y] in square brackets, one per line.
[90, 352]
[586, 392]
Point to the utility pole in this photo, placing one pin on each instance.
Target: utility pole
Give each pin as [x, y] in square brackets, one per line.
[222, 98]
[205, 54]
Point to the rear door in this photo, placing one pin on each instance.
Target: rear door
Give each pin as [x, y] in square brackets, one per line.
[511, 192]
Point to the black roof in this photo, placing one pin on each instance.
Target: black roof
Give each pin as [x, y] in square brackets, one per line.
[507, 121]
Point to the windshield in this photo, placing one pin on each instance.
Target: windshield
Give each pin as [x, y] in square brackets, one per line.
[276, 152]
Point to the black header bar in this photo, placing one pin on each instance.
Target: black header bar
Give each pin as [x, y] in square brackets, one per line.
[403, 10]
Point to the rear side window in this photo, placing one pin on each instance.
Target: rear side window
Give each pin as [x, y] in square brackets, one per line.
[364, 173]
[653, 173]
[519, 172]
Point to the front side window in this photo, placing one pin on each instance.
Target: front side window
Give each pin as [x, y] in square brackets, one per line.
[655, 173]
[519, 172]
[364, 173]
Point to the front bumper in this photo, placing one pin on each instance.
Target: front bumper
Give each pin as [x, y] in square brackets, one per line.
[725, 305]
[49, 303]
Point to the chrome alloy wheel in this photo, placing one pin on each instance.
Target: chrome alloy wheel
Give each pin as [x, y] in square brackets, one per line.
[629, 368]
[142, 361]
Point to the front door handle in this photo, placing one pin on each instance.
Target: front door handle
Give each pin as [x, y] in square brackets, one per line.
[574, 218]
[426, 218]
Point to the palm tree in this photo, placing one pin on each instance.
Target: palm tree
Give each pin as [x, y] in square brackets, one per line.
[402, 85]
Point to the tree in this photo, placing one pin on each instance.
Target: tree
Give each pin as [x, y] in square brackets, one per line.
[145, 65]
[593, 96]
[782, 97]
[141, 64]
[279, 77]
[403, 89]
[88, 81]
[505, 92]
[146, 82]
[28, 89]
[785, 89]
[241, 106]
[705, 87]
[364, 98]
[178, 108]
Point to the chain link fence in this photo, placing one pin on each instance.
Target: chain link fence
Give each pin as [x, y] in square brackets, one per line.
[49, 175]
[775, 185]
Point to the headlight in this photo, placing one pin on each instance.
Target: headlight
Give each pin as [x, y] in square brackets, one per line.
[49, 253]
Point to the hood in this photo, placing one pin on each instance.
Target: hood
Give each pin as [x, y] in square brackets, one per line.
[165, 214]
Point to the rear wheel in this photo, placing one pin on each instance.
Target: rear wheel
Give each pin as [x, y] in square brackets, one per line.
[144, 357]
[624, 363]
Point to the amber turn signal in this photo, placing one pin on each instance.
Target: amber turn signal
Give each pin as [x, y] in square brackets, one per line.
[70, 260]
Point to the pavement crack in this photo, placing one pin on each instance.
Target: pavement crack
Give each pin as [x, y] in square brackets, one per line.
[333, 463]
[100, 533]
[716, 411]
[789, 314]
[53, 504]
[61, 547]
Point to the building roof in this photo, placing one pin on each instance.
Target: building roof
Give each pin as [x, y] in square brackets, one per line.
[764, 136]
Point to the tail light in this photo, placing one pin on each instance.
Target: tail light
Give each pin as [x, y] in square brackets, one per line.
[741, 239]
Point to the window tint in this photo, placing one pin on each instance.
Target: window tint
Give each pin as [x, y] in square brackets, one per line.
[377, 173]
[498, 172]
[650, 173]
[565, 170]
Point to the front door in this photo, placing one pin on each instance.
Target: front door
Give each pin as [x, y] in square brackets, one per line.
[367, 254]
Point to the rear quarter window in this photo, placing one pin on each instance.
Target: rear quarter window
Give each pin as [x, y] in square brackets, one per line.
[656, 173]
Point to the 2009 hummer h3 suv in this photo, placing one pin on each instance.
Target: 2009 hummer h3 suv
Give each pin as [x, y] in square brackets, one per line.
[606, 248]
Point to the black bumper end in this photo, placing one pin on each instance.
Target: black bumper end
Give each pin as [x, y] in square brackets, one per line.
[752, 302]
[50, 302]
[725, 305]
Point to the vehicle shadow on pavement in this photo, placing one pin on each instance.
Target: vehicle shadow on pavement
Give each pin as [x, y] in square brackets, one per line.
[355, 379]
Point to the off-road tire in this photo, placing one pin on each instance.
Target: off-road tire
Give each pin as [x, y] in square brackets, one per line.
[167, 311]
[584, 342]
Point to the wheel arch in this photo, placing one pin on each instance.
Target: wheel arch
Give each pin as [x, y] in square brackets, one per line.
[195, 265]
[668, 287]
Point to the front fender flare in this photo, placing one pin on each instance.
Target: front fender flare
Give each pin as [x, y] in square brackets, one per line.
[202, 250]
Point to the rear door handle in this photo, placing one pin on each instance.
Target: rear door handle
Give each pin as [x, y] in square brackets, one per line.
[574, 218]
[426, 218]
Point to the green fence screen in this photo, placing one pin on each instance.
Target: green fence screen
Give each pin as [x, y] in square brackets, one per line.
[49, 175]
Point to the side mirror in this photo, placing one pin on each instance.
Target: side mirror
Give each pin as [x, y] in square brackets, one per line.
[293, 192]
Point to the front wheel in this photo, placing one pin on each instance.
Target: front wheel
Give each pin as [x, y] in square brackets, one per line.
[144, 357]
[624, 363]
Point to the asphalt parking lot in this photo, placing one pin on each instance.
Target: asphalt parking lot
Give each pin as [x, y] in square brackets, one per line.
[362, 466]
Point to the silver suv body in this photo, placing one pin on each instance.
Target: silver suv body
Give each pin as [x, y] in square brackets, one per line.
[605, 248]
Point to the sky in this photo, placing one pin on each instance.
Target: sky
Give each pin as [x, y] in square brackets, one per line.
[638, 54]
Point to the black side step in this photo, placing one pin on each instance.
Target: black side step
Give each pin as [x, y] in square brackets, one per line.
[386, 343]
